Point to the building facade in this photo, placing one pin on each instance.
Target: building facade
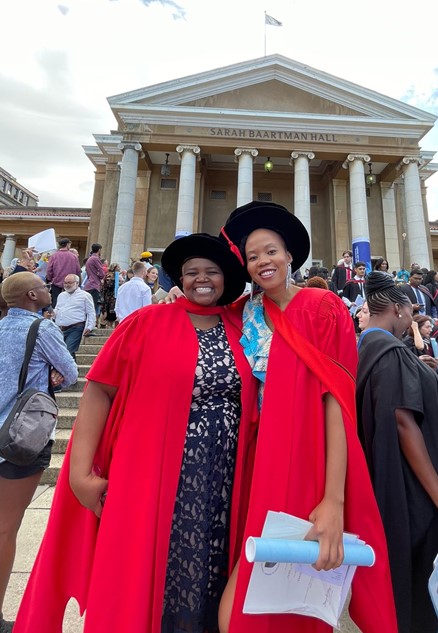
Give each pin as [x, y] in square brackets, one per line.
[187, 152]
[18, 223]
[13, 193]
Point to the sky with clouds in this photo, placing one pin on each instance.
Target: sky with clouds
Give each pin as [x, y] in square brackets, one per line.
[61, 59]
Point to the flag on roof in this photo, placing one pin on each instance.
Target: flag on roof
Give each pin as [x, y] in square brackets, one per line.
[272, 21]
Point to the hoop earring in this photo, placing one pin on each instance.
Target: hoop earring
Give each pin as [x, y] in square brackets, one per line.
[252, 290]
[289, 275]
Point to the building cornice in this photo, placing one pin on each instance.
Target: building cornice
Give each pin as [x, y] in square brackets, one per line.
[255, 119]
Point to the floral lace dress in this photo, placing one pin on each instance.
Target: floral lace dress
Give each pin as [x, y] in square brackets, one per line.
[198, 552]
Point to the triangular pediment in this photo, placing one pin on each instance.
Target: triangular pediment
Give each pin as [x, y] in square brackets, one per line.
[274, 96]
[275, 88]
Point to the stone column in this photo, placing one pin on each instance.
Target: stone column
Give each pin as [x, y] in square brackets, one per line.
[108, 209]
[121, 249]
[139, 242]
[360, 234]
[96, 207]
[415, 222]
[9, 249]
[341, 239]
[390, 225]
[245, 156]
[186, 193]
[300, 161]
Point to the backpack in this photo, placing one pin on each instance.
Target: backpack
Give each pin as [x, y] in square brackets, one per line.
[29, 425]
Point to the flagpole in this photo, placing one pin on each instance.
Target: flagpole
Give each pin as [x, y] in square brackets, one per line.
[265, 33]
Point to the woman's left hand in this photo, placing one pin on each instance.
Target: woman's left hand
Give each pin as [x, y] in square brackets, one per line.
[327, 529]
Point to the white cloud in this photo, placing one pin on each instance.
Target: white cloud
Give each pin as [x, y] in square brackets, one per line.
[72, 56]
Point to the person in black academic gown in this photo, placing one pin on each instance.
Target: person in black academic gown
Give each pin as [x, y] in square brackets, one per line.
[397, 400]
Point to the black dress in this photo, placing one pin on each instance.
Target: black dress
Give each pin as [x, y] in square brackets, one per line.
[197, 570]
[391, 377]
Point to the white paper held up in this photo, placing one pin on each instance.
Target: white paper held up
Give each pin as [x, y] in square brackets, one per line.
[43, 242]
[276, 587]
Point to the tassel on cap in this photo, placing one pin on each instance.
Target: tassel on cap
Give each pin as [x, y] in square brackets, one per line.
[233, 247]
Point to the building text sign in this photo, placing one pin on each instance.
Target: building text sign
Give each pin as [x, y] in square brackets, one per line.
[271, 135]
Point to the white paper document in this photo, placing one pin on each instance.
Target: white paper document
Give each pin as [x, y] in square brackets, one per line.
[43, 242]
[433, 585]
[297, 587]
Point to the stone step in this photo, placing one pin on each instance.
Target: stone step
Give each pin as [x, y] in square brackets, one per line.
[104, 332]
[78, 386]
[94, 340]
[85, 359]
[89, 348]
[68, 400]
[61, 440]
[66, 418]
[50, 476]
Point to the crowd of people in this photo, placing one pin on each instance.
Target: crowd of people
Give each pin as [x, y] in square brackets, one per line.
[255, 408]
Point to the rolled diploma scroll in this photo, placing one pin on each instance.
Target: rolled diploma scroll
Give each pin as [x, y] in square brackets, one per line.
[273, 550]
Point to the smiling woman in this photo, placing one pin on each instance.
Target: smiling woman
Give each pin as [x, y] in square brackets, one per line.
[177, 463]
[301, 346]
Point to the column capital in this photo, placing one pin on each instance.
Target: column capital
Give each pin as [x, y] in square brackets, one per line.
[135, 145]
[245, 150]
[352, 157]
[130, 145]
[301, 152]
[9, 236]
[406, 160]
[188, 148]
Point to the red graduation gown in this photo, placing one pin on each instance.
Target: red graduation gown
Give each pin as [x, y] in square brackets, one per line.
[116, 567]
[289, 468]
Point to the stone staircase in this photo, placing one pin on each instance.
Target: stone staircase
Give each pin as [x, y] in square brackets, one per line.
[68, 402]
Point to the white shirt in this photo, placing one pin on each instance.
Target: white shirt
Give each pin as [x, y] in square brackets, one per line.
[131, 296]
[74, 308]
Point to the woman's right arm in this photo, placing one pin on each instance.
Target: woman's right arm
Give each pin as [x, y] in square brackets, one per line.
[90, 423]
[418, 340]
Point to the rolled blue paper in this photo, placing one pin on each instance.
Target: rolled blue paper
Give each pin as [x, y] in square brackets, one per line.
[116, 283]
[272, 550]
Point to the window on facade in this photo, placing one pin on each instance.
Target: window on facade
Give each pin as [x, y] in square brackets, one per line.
[168, 183]
[9, 188]
[20, 196]
[16, 193]
[313, 198]
[264, 196]
[216, 194]
[25, 200]
[3, 184]
[368, 190]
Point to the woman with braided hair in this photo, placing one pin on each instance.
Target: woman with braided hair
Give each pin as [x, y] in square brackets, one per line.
[397, 400]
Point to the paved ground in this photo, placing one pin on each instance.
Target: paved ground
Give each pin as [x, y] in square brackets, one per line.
[29, 538]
